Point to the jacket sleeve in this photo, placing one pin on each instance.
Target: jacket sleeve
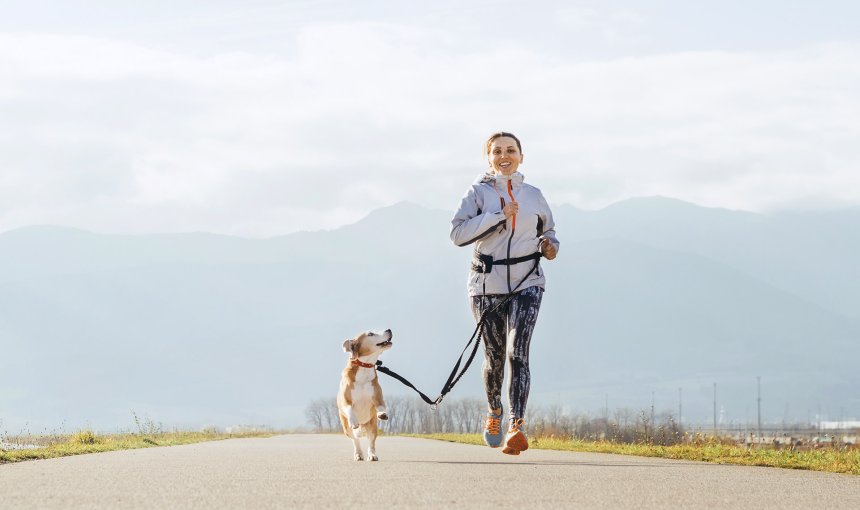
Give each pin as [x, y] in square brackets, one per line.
[548, 224]
[469, 224]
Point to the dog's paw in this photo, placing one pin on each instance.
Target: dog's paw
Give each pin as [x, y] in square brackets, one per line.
[382, 416]
[357, 457]
[373, 458]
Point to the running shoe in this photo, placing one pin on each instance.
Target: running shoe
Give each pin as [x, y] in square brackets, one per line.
[517, 441]
[493, 435]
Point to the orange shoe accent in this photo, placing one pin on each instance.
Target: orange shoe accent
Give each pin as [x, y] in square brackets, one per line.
[492, 425]
[517, 441]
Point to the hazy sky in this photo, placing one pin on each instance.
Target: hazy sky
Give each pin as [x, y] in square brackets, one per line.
[261, 118]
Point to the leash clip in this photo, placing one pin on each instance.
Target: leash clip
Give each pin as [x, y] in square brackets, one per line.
[435, 405]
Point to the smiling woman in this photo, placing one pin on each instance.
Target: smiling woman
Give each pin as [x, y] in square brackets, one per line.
[505, 282]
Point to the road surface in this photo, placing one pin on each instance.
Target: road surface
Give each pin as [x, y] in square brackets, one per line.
[317, 471]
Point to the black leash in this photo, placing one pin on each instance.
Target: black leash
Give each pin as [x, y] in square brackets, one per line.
[476, 337]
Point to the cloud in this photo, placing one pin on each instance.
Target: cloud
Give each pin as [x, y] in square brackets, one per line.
[121, 136]
[612, 25]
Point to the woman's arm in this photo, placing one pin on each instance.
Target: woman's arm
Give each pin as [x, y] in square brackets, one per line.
[549, 244]
[468, 225]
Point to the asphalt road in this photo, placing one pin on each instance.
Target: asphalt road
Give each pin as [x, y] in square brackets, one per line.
[317, 471]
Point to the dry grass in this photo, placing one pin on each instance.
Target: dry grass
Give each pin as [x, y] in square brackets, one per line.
[85, 441]
[824, 459]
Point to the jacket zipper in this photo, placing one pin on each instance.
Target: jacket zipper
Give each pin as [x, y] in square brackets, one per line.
[511, 238]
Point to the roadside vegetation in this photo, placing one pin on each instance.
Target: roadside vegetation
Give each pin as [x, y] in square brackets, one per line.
[27, 446]
[705, 449]
[625, 432]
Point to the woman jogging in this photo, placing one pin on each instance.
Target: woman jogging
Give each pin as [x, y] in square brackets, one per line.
[512, 228]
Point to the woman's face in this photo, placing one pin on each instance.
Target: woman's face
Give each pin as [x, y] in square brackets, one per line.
[505, 157]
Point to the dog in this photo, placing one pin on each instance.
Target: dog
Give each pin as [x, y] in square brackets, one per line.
[359, 401]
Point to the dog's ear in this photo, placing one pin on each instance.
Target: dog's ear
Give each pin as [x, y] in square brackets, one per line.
[347, 346]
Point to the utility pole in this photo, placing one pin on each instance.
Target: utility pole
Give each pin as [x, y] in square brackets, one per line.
[758, 379]
[652, 413]
[680, 419]
[606, 408]
[715, 409]
[606, 415]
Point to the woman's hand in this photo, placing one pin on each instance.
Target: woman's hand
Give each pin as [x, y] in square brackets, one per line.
[510, 210]
[548, 249]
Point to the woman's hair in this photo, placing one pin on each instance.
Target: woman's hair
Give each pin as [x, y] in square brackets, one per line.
[501, 134]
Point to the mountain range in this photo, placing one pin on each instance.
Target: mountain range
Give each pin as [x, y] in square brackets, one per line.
[646, 296]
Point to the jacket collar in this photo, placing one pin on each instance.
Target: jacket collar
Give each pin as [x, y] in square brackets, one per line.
[501, 181]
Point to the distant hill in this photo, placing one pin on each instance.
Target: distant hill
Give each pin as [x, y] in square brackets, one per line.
[811, 254]
[647, 295]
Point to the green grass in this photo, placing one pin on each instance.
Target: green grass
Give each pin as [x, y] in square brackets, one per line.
[85, 441]
[824, 459]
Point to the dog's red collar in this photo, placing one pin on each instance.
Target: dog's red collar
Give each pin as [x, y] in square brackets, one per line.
[360, 363]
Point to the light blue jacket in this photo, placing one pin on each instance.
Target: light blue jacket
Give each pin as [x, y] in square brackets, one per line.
[480, 220]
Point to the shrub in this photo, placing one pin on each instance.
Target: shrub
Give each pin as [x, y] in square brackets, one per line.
[83, 437]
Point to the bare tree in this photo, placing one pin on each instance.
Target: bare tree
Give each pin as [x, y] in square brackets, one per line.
[314, 414]
[408, 415]
[323, 416]
[331, 415]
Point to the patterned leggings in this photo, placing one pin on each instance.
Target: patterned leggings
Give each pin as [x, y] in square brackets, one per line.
[508, 331]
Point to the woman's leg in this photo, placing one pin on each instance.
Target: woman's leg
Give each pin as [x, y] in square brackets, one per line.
[521, 322]
[493, 335]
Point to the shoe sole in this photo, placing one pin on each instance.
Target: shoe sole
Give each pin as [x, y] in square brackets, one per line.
[517, 442]
[510, 451]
